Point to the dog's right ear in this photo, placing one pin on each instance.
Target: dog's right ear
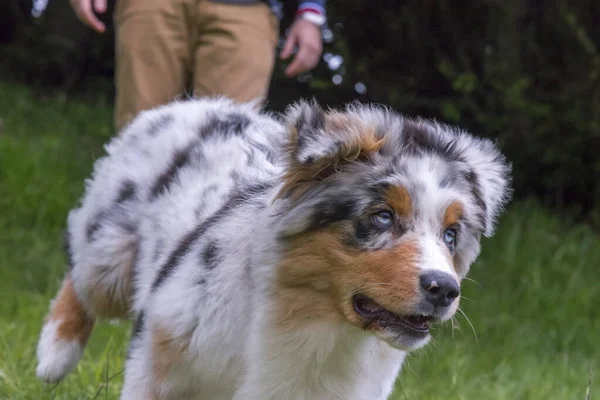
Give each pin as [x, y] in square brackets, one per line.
[322, 143]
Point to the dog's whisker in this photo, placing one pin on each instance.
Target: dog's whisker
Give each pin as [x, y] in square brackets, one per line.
[473, 280]
[469, 321]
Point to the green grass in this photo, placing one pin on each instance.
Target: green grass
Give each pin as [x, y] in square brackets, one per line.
[534, 303]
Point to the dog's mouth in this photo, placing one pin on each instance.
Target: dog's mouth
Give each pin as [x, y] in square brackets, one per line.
[374, 314]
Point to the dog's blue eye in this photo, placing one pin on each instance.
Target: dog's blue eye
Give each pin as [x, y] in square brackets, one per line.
[384, 218]
[450, 237]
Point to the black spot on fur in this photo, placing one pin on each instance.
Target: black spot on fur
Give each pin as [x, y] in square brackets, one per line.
[136, 331]
[451, 178]
[127, 226]
[233, 124]
[418, 139]
[210, 255]
[237, 123]
[126, 192]
[163, 182]
[363, 232]
[94, 225]
[67, 248]
[138, 326]
[91, 230]
[181, 250]
[246, 193]
[329, 211]
[201, 282]
[162, 123]
[473, 180]
[456, 177]
[310, 160]
[238, 198]
[135, 259]
[449, 152]
[270, 156]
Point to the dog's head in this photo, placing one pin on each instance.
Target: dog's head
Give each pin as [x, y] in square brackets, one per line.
[384, 216]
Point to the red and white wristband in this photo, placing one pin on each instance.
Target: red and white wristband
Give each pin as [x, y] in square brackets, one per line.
[312, 12]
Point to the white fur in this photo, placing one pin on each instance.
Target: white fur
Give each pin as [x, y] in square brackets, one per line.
[56, 356]
[322, 362]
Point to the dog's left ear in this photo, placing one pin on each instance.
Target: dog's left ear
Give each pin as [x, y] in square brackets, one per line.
[321, 143]
[489, 176]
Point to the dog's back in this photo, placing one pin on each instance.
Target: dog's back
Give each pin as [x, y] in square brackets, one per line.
[169, 172]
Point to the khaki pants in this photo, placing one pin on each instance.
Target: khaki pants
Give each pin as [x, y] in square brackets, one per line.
[166, 47]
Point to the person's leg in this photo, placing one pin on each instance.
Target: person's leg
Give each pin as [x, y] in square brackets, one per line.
[152, 59]
[235, 50]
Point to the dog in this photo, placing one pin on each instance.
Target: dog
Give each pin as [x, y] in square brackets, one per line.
[265, 257]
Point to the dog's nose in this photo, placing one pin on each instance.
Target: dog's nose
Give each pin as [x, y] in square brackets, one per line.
[440, 289]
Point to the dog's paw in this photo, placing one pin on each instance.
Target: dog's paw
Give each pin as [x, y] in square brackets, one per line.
[56, 357]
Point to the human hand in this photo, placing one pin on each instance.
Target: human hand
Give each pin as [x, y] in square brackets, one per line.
[83, 10]
[307, 36]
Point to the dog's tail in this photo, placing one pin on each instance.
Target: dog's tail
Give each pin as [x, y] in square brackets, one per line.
[64, 335]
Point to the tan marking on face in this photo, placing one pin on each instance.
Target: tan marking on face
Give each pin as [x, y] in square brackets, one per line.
[319, 275]
[453, 214]
[167, 352]
[399, 199]
[359, 144]
[397, 269]
[75, 324]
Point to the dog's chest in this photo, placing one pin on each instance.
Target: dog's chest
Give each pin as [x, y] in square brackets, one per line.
[369, 373]
[330, 365]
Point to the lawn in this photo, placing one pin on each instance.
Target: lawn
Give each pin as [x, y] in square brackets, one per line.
[534, 330]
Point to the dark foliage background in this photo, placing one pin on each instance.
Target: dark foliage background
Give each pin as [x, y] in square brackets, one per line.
[525, 72]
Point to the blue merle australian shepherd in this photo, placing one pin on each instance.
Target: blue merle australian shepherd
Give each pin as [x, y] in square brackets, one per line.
[268, 259]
